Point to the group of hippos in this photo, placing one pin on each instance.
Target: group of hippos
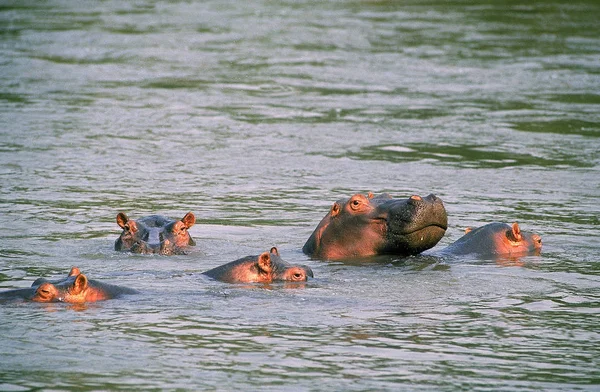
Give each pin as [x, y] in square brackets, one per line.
[361, 226]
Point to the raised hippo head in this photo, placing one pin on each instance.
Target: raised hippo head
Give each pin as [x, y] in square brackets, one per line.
[266, 268]
[496, 239]
[368, 225]
[155, 234]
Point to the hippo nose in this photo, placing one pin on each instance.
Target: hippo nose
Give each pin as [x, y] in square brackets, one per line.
[309, 271]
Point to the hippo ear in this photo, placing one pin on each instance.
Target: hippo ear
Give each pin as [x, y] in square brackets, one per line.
[122, 220]
[274, 251]
[188, 220]
[126, 223]
[74, 271]
[468, 230]
[335, 209]
[370, 195]
[79, 285]
[515, 234]
[264, 262]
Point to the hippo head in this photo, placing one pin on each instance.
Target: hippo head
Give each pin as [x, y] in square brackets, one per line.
[266, 268]
[75, 288]
[155, 234]
[367, 225]
[71, 289]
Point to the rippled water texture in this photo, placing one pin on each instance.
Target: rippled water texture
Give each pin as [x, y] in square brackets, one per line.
[256, 116]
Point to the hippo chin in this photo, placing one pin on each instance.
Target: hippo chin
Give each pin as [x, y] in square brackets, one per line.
[375, 225]
[75, 288]
[495, 239]
[268, 267]
[155, 234]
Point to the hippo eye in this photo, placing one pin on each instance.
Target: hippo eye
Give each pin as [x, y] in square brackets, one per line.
[355, 204]
[45, 293]
[298, 276]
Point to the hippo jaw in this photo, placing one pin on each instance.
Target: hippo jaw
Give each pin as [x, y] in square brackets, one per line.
[413, 225]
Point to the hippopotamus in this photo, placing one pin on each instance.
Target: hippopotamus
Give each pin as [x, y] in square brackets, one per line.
[495, 239]
[75, 288]
[155, 234]
[368, 225]
[267, 267]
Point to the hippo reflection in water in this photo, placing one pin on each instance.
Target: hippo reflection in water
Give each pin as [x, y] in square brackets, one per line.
[155, 234]
[268, 267]
[75, 288]
[375, 225]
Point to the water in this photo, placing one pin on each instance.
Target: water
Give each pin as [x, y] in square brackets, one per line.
[256, 117]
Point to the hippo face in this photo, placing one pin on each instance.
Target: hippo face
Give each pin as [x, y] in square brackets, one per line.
[496, 239]
[367, 226]
[155, 234]
[265, 268]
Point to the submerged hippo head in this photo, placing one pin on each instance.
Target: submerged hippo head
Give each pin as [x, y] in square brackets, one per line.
[75, 288]
[367, 226]
[266, 268]
[496, 239]
[155, 234]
